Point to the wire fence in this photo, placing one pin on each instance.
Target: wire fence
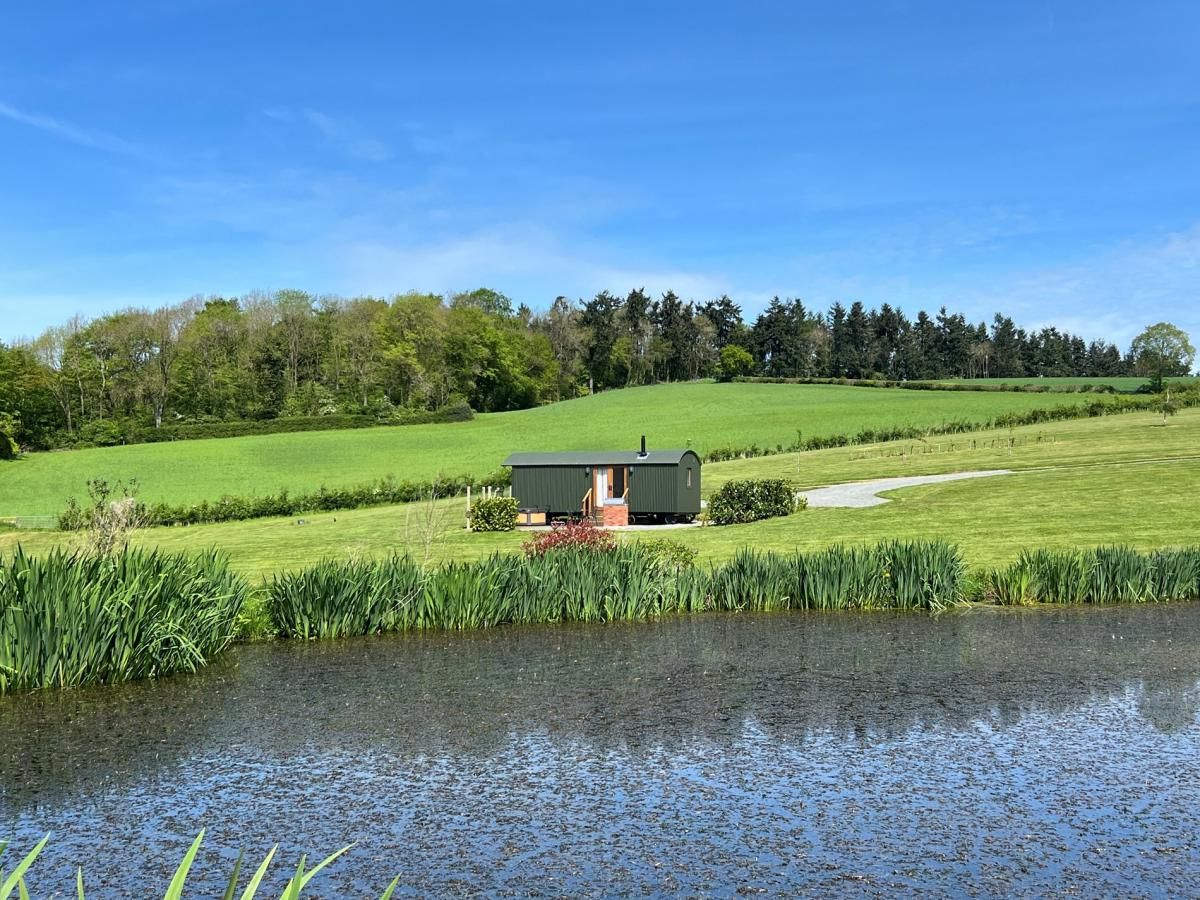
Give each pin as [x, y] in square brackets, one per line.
[31, 523]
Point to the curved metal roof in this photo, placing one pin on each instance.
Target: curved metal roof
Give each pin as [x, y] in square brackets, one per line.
[600, 458]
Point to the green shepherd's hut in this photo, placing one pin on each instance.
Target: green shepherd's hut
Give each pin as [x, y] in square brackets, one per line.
[610, 487]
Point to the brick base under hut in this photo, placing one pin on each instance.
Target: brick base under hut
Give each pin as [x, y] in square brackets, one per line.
[614, 516]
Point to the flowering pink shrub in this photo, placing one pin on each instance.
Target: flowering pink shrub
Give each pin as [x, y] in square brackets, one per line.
[573, 535]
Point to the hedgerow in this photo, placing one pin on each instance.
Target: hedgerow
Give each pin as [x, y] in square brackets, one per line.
[1086, 388]
[385, 492]
[119, 433]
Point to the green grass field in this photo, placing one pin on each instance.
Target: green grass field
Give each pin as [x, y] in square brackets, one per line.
[1119, 479]
[1120, 382]
[704, 415]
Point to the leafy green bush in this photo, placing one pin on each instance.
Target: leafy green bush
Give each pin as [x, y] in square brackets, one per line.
[673, 555]
[494, 514]
[72, 619]
[751, 499]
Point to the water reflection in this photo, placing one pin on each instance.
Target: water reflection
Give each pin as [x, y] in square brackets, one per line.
[417, 729]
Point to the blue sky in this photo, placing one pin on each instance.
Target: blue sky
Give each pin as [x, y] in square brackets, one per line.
[1039, 158]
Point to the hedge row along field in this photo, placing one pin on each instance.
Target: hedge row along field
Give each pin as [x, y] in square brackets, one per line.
[1078, 387]
[385, 492]
[68, 619]
[113, 434]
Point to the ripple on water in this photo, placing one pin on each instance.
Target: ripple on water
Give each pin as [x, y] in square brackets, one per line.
[990, 752]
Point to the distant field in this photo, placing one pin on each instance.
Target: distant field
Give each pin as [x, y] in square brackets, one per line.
[1121, 383]
[1118, 479]
[703, 415]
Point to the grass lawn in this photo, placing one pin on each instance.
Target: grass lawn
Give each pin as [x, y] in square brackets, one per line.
[1119, 479]
[1120, 382]
[702, 414]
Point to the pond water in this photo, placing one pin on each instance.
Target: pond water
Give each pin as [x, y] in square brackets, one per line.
[986, 752]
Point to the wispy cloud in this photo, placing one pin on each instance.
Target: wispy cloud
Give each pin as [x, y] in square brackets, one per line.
[343, 134]
[1115, 292]
[97, 140]
[529, 262]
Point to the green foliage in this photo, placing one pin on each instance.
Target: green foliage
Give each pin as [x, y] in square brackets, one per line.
[736, 362]
[671, 554]
[1162, 350]
[125, 376]
[291, 891]
[10, 426]
[751, 499]
[111, 517]
[73, 619]
[891, 575]
[337, 598]
[348, 597]
[494, 514]
[1102, 575]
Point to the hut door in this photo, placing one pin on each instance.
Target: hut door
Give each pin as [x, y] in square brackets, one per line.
[618, 479]
[601, 485]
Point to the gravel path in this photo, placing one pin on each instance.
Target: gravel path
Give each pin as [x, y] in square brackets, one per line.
[857, 494]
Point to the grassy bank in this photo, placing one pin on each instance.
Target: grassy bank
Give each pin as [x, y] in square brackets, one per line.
[705, 415]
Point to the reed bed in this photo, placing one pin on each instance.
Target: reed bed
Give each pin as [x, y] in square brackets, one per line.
[70, 619]
[1102, 575]
[338, 598]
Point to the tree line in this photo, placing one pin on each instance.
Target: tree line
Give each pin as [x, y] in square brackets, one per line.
[289, 353]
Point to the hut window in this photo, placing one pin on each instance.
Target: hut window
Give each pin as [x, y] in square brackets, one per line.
[689, 480]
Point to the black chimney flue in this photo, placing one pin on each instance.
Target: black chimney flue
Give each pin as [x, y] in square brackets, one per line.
[643, 453]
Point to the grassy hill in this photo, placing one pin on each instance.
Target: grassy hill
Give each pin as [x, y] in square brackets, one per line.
[1119, 479]
[703, 415]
